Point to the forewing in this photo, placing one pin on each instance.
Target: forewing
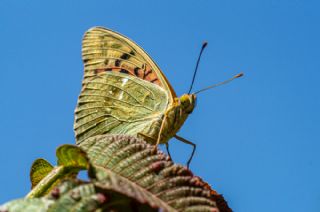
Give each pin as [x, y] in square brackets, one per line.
[118, 103]
[104, 50]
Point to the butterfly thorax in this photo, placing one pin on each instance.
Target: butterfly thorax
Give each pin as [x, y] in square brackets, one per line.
[172, 120]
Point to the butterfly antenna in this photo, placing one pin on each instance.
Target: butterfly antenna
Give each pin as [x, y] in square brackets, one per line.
[196, 69]
[221, 83]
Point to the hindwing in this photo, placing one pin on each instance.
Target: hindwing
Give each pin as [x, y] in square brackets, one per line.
[117, 103]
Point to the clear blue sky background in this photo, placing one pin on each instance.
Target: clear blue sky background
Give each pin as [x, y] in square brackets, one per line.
[258, 137]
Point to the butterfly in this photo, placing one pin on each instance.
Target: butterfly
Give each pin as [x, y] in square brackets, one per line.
[125, 92]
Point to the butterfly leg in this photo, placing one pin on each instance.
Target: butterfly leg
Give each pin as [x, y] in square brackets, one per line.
[167, 147]
[187, 142]
[149, 139]
[146, 138]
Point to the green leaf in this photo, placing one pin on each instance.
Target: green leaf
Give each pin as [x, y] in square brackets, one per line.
[80, 196]
[71, 159]
[27, 205]
[39, 169]
[72, 156]
[114, 183]
[131, 166]
[126, 175]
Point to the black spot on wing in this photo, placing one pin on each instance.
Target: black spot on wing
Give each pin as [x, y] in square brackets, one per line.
[136, 71]
[125, 56]
[117, 63]
[97, 71]
[124, 71]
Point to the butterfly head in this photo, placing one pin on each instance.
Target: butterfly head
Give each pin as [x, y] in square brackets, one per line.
[188, 102]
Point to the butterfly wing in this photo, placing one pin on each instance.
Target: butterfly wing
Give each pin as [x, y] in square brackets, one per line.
[116, 103]
[124, 91]
[106, 50]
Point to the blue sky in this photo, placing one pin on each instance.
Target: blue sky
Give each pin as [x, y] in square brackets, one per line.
[257, 138]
